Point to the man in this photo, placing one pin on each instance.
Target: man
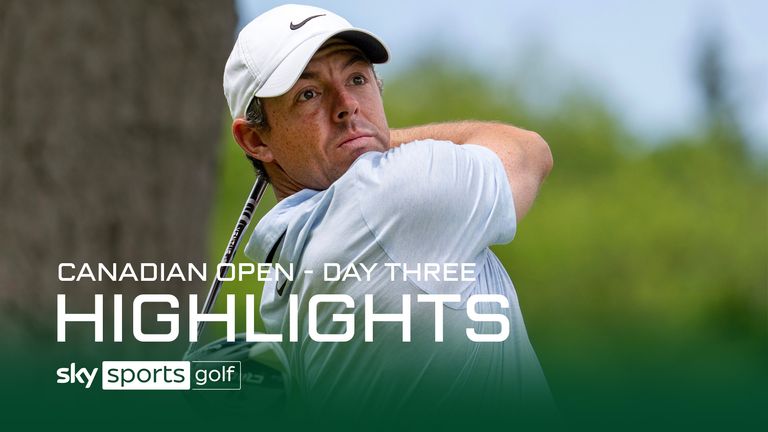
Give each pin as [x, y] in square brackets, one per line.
[307, 109]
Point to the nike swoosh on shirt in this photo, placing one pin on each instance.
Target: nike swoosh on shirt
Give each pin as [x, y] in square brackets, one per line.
[282, 287]
[270, 259]
[299, 25]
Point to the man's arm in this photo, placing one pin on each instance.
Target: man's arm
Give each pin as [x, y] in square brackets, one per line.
[525, 155]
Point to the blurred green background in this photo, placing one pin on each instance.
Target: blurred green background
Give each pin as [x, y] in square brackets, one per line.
[642, 270]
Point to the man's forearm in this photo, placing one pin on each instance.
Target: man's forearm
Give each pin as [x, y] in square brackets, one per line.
[456, 132]
[460, 132]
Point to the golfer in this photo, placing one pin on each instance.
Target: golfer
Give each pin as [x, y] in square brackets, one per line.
[308, 111]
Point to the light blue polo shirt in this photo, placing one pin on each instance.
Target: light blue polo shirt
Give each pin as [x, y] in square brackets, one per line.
[423, 202]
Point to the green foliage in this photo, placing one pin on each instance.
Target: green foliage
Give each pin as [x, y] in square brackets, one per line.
[640, 266]
[672, 229]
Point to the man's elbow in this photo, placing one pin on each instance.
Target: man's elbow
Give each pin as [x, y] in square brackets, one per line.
[542, 155]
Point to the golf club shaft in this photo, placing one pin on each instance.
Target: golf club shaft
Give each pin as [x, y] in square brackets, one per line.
[229, 254]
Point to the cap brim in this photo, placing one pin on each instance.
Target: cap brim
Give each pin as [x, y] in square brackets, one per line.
[288, 72]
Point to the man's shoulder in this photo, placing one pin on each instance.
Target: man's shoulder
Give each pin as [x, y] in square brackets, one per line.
[409, 151]
[424, 162]
[375, 172]
[421, 152]
[407, 159]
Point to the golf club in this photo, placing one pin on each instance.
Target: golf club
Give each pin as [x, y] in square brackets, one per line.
[229, 253]
[264, 367]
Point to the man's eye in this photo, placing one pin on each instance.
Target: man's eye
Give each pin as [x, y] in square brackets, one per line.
[307, 95]
[358, 80]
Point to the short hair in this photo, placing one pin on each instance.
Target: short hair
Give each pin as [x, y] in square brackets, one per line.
[257, 119]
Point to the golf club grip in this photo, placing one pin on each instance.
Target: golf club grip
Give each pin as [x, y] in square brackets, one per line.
[229, 253]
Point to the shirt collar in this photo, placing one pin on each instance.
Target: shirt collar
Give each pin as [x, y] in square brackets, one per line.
[273, 225]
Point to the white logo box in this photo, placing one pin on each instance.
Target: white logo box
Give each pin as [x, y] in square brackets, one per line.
[145, 375]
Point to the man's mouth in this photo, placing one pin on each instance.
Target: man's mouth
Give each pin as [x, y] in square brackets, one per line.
[354, 140]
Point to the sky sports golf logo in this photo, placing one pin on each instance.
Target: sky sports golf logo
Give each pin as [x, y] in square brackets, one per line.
[156, 375]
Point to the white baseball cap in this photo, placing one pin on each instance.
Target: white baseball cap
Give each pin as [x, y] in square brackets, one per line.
[272, 51]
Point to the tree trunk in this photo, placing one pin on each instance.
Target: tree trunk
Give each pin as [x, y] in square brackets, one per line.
[110, 122]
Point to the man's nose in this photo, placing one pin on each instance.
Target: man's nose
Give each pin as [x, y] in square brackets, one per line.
[346, 105]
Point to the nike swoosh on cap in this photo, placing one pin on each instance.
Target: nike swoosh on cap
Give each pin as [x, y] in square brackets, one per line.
[298, 26]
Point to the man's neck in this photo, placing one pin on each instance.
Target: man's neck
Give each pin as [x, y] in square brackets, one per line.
[282, 185]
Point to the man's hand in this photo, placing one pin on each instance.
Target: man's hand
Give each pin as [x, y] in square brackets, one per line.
[525, 155]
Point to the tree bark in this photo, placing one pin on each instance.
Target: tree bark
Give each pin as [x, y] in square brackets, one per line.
[110, 122]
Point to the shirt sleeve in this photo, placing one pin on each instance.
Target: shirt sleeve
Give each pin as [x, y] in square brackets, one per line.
[436, 202]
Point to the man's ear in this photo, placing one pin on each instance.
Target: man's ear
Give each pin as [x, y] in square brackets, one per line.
[249, 139]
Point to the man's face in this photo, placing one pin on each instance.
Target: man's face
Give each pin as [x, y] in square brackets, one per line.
[332, 115]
